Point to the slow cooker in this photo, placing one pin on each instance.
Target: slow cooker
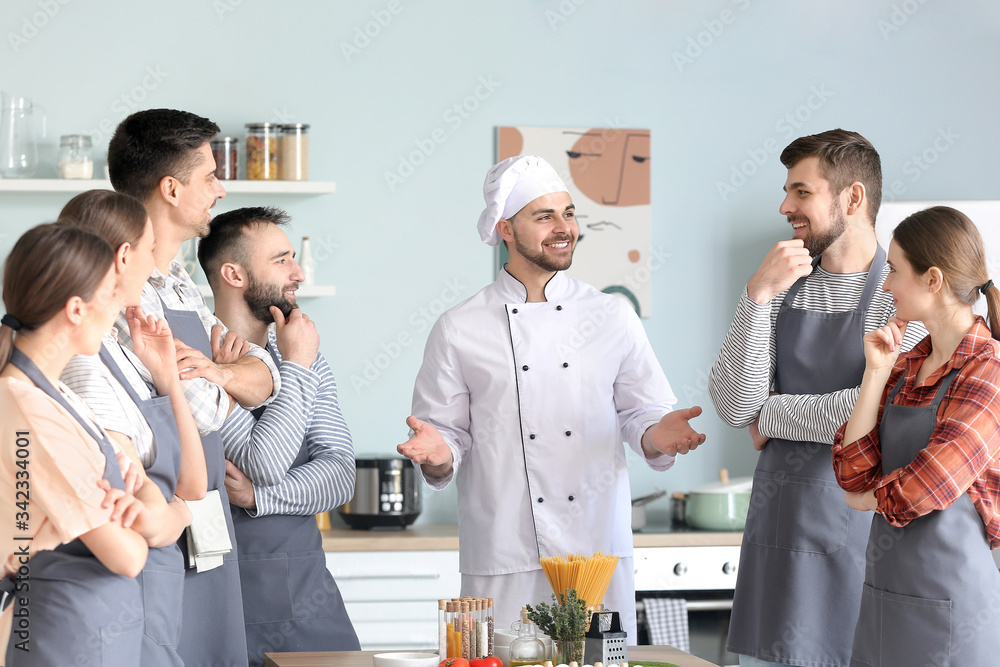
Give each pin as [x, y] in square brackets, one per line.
[386, 494]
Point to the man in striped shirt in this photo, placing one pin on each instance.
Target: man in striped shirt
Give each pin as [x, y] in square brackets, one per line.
[286, 462]
[789, 372]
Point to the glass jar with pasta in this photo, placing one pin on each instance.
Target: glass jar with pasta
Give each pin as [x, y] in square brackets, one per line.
[262, 151]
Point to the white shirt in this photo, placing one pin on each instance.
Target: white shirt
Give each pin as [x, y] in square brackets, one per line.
[534, 400]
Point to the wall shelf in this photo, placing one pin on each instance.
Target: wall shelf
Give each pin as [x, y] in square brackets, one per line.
[304, 292]
[25, 185]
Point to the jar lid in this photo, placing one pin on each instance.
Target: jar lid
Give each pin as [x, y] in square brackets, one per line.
[222, 141]
[261, 126]
[294, 126]
[82, 140]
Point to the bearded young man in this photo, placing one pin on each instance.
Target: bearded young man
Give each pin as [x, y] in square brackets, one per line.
[525, 401]
[286, 462]
[789, 371]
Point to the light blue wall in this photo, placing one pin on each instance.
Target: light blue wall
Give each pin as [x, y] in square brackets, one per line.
[902, 73]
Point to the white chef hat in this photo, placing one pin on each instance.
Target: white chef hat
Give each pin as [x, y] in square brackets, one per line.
[512, 184]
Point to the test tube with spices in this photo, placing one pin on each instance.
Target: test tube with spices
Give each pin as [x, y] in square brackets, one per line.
[443, 629]
[456, 630]
[466, 645]
[489, 626]
[477, 624]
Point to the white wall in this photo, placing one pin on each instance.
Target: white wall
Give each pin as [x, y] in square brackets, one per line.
[903, 73]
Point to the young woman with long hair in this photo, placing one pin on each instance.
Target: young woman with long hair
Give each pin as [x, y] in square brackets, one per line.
[921, 450]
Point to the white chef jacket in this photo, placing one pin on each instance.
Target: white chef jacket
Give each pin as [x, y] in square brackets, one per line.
[534, 400]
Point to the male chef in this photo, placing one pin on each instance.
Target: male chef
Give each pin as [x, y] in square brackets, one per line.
[526, 392]
[789, 370]
[290, 461]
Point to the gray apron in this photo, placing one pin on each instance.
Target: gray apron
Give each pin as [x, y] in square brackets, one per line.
[212, 632]
[80, 611]
[932, 591]
[290, 600]
[802, 560]
[162, 579]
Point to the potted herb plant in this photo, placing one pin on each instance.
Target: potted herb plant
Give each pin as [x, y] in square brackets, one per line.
[565, 621]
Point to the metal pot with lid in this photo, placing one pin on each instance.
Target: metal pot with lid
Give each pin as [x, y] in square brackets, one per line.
[722, 505]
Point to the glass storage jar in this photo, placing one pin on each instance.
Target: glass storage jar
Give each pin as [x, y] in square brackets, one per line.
[293, 152]
[225, 153]
[262, 151]
[74, 156]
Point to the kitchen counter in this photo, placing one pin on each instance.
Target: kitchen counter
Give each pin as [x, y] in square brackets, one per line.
[444, 537]
[636, 655]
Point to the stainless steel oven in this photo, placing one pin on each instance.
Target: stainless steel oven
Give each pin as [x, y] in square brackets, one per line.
[704, 576]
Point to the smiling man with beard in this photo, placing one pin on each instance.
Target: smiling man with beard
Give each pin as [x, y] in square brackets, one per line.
[789, 371]
[286, 462]
[526, 393]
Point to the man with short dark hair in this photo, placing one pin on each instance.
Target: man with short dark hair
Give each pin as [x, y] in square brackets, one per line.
[290, 461]
[789, 370]
[163, 158]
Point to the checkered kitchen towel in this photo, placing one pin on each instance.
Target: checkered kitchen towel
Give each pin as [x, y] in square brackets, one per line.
[668, 622]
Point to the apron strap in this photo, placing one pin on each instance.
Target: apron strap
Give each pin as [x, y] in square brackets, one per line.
[872, 282]
[116, 371]
[786, 303]
[112, 472]
[938, 397]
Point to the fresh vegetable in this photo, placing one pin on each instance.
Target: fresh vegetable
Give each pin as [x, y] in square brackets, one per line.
[489, 661]
[455, 662]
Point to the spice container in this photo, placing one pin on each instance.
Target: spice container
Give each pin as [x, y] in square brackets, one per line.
[74, 156]
[293, 152]
[262, 151]
[225, 153]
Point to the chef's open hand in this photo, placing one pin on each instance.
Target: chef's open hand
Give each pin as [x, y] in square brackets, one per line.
[758, 440]
[298, 339]
[863, 502]
[239, 487]
[427, 447]
[194, 364]
[227, 349]
[673, 434]
[783, 264]
[153, 343]
[882, 345]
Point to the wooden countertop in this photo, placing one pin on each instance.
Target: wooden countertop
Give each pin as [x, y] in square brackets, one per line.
[444, 537]
[636, 654]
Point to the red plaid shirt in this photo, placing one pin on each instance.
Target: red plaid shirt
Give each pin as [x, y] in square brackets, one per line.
[962, 453]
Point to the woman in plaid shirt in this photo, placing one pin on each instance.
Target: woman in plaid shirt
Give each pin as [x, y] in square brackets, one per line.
[921, 449]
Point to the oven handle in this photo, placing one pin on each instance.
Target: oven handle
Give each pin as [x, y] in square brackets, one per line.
[698, 605]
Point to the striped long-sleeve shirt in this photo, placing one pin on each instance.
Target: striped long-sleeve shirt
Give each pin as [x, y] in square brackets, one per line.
[962, 453]
[305, 410]
[208, 401]
[742, 376]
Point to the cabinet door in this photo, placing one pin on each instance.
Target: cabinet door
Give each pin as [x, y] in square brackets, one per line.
[391, 596]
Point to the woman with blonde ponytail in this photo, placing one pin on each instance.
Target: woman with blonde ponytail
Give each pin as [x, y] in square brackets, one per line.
[921, 450]
[70, 544]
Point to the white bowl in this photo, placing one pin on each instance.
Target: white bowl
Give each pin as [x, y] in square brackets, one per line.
[405, 659]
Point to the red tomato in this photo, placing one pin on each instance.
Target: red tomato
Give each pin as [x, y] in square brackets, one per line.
[489, 661]
[455, 662]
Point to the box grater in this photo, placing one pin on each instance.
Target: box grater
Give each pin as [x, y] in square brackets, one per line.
[605, 639]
